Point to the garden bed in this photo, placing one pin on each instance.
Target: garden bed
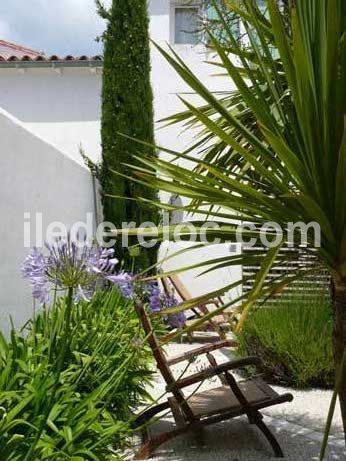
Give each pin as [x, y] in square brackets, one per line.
[76, 405]
[294, 340]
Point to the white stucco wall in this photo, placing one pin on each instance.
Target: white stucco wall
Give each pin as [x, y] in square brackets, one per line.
[61, 106]
[37, 178]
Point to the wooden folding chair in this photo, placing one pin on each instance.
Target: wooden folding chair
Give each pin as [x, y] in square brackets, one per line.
[192, 412]
[218, 323]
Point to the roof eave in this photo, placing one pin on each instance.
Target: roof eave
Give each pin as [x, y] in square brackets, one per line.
[50, 64]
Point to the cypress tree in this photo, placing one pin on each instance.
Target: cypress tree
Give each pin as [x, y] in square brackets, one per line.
[127, 108]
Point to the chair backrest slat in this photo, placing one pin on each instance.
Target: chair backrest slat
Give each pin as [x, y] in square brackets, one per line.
[168, 288]
[180, 288]
[201, 309]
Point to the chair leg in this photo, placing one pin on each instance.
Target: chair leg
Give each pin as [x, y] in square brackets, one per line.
[270, 437]
[145, 435]
[150, 413]
[148, 448]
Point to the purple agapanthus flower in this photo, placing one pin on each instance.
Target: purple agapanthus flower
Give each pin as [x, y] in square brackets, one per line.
[121, 277]
[101, 260]
[34, 270]
[127, 289]
[160, 302]
[82, 294]
[176, 320]
[82, 267]
[125, 283]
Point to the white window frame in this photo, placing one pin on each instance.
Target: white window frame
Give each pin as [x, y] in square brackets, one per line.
[182, 4]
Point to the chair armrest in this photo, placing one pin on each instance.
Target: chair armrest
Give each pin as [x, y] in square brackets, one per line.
[218, 370]
[201, 350]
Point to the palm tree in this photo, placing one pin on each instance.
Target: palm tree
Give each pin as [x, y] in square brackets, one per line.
[275, 150]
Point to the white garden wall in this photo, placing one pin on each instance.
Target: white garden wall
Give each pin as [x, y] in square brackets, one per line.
[35, 177]
[61, 105]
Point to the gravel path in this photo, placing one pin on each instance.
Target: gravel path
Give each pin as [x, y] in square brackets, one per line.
[298, 426]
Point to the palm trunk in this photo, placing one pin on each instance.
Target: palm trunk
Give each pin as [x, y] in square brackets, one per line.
[339, 302]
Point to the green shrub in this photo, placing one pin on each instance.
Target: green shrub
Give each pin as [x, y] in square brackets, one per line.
[294, 339]
[82, 413]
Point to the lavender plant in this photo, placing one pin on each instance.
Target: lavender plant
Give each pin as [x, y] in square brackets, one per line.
[150, 293]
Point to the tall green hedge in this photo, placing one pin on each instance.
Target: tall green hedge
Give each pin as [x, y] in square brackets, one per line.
[127, 108]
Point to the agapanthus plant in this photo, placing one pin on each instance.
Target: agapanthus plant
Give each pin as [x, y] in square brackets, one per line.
[80, 269]
[68, 265]
[77, 270]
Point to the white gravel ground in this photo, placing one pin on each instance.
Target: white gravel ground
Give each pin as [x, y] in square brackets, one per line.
[298, 426]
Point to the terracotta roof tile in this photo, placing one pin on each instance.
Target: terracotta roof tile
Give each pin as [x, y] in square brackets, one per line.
[10, 52]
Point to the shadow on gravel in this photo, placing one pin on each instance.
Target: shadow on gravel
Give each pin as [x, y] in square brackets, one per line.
[238, 441]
